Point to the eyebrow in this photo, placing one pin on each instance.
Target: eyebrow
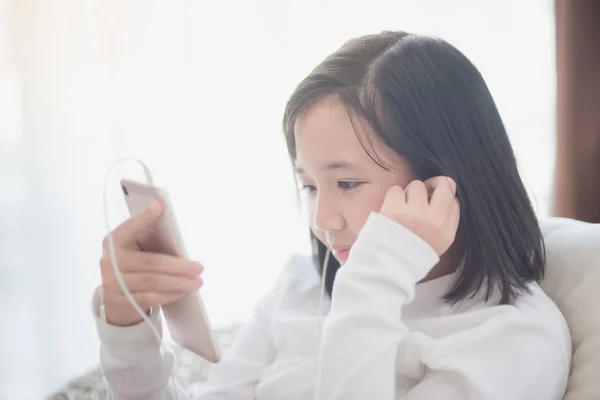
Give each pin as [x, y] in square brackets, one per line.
[334, 166]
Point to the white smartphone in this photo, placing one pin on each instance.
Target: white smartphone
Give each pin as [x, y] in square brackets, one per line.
[186, 318]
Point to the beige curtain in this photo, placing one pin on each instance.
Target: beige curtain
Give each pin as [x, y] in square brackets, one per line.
[577, 175]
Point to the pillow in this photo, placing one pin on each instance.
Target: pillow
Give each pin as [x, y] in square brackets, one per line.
[573, 282]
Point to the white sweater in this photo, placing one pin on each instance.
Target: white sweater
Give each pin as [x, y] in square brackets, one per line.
[384, 337]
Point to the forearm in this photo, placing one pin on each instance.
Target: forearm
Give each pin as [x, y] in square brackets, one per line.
[362, 332]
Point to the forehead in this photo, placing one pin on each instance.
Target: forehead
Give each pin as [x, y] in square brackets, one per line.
[325, 132]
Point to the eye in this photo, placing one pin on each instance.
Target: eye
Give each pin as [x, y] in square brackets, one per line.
[308, 188]
[348, 185]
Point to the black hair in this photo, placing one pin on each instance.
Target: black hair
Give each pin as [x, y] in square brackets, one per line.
[430, 104]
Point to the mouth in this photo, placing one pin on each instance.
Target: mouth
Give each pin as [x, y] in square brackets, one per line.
[341, 253]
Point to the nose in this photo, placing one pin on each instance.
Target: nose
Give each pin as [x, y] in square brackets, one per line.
[327, 215]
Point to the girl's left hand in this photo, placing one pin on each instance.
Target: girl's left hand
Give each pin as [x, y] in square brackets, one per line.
[429, 209]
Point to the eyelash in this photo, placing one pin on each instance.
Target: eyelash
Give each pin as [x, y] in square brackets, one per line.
[346, 186]
[308, 188]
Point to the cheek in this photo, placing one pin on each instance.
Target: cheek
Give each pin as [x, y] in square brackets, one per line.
[308, 214]
[357, 216]
[307, 207]
[355, 210]
[308, 210]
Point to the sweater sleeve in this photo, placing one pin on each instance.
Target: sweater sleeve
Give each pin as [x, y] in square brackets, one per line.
[132, 361]
[361, 333]
[136, 368]
[365, 342]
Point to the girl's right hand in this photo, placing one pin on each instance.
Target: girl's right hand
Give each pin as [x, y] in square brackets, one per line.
[153, 279]
[429, 209]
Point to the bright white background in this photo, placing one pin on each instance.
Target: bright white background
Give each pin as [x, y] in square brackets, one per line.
[196, 89]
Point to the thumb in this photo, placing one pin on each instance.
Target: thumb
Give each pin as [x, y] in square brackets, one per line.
[127, 234]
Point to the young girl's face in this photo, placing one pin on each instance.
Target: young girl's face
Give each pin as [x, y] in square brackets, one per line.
[342, 185]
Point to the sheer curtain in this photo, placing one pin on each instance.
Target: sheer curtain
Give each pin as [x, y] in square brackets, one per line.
[196, 89]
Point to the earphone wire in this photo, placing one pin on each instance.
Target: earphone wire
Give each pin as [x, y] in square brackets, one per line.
[320, 314]
[117, 271]
[320, 317]
[322, 291]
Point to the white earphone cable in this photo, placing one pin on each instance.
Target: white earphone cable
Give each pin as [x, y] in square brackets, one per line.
[320, 317]
[322, 294]
[320, 314]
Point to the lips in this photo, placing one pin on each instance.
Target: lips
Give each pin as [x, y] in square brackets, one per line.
[341, 253]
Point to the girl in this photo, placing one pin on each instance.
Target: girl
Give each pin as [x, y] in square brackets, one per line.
[432, 291]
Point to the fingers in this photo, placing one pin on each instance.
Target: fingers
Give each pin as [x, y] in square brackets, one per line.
[130, 261]
[148, 268]
[443, 194]
[126, 234]
[442, 200]
[438, 181]
[136, 262]
[435, 221]
[438, 192]
[394, 202]
[416, 195]
[150, 290]
[148, 300]
[396, 195]
[157, 283]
